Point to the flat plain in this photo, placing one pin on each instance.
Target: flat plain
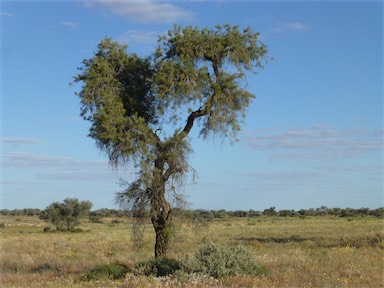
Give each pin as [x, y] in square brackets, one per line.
[318, 251]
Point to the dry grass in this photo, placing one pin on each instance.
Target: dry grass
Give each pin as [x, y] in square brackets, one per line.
[310, 252]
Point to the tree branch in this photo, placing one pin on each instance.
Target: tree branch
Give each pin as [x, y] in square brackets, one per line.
[170, 171]
[191, 118]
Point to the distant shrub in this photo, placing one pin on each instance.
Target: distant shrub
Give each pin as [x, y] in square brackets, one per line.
[217, 262]
[116, 221]
[47, 229]
[106, 271]
[66, 215]
[46, 267]
[96, 219]
[78, 230]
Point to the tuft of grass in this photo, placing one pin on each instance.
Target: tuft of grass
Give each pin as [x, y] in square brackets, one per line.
[106, 271]
[46, 267]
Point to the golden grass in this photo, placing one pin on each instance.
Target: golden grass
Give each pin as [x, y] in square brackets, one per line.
[310, 252]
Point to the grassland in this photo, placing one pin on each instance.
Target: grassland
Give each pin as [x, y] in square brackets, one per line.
[298, 252]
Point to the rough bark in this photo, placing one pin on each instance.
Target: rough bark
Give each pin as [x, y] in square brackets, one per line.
[161, 211]
[162, 226]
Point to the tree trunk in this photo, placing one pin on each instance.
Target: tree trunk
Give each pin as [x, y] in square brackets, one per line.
[161, 215]
[162, 237]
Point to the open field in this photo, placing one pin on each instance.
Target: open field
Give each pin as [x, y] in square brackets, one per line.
[298, 252]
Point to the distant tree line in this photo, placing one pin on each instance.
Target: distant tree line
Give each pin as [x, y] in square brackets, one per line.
[211, 214]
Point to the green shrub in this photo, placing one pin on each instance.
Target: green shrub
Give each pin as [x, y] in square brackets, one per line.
[116, 221]
[217, 262]
[46, 267]
[96, 219]
[106, 271]
[157, 267]
[66, 215]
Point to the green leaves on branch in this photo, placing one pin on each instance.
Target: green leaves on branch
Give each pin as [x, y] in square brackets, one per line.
[116, 99]
[203, 70]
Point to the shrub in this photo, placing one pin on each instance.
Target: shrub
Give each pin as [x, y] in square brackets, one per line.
[157, 267]
[46, 267]
[96, 219]
[106, 271]
[66, 215]
[217, 262]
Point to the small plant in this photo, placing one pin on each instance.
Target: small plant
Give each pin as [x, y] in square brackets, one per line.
[46, 267]
[217, 262]
[157, 267]
[106, 271]
[116, 221]
[96, 219]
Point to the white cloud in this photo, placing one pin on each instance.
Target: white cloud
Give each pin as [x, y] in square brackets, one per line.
[6, 14]
[139, 37]
[293, 26]
[18, 141]
[33, 160]
[70, 24]
[143, 11]
[319, 142]
[49, 167]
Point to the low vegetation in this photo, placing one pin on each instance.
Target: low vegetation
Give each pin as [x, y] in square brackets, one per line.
[259, 251]
[97, 215]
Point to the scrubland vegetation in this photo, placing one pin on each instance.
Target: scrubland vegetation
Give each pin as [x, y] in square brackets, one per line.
[296, 251]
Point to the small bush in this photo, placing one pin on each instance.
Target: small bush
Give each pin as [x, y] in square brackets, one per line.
[46, 267]
[116, 221]
[77, 230]
[218, 262]
[106, 271]
[96, 219]
[157, 267]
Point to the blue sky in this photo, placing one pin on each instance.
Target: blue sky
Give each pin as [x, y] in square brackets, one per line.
[312, 137]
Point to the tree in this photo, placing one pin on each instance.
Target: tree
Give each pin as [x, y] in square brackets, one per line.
[66, 215]
[142, 109]
[270, 212]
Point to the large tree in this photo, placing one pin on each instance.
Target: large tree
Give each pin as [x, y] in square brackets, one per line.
[142, 109]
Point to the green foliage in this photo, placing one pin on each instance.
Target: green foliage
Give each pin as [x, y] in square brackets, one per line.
[66, 215]
[202, 71]
[106, 271]
[96, 219]
[46, 267]
[158, 267]
[217, 262]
